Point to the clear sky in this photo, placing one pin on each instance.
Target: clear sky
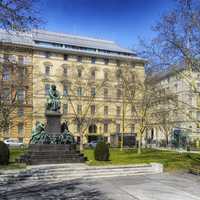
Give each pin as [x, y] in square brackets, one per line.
[120, 20]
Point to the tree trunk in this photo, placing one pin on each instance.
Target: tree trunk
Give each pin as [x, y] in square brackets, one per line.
[81, 142]
[167, 141]
[139, 144]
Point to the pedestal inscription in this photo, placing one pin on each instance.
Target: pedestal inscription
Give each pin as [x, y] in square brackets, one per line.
[53, 123]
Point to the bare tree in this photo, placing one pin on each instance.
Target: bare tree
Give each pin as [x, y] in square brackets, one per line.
[177, 38]
[175, 48]
[16, 16]
[82, 99]
[19, 15]
[14, 88]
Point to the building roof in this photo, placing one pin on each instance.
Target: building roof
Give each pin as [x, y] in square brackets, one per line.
[78, 41]
[171, 71]
[51, 41]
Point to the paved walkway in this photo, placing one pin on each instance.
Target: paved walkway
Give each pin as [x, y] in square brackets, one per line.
[178, 150]
[146, 187]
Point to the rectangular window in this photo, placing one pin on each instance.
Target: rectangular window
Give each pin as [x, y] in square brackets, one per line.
[47, 87]
[65, 57]
[133, 128]
[93, 74]
[21, 129]
[21, 139]
[106, 75]
[22, 72]
[6, 132]
[79, 58]
[105, 92]
[118, 110]
[93, 91]
[65, 71]
[93, 60]
[6, 74]
[21, 60]
[20, 111]
[47, 54]
[79, 73]
[117, 128]
[105, 110]
[132, 110]
[106, 61]
[21, 95]
[6, 57]
[65, 90]
[78, 127]
[79, 109]
[119, 93]
[105, 128]
[6, 94]
[118, 63]
[47, 70]
[79, 91]
[65, 108]
[93, 109]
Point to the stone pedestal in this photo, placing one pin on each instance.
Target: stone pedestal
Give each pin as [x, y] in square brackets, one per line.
[53, 153]
[53, 127]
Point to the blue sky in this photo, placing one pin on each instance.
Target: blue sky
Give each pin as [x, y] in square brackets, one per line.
[120, 20]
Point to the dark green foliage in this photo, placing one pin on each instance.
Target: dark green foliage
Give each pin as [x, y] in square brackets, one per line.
[101, 152]
[4, 154]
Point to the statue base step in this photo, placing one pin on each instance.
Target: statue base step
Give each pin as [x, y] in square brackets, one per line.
[52, 154]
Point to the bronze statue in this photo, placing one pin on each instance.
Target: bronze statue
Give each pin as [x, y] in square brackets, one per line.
[53, 100]
[66, 136]
[39, 136]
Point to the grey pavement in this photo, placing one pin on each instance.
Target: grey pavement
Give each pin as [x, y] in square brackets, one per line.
[144, 187]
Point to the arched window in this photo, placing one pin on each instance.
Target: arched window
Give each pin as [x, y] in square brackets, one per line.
[79, 71]
[118, 73]
[106, 75]
[47, 70]
[93, 74]
[47, 66]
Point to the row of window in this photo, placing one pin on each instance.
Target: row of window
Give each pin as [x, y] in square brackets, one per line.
[80, 91]
[93, 128]
[6, 73]
[20, 59]
[79, 110]
[20, 95]
[80, 58]
[20, 130]
[80, 73]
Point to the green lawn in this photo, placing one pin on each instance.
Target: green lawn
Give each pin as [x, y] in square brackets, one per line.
[14, 153]
[171, 160]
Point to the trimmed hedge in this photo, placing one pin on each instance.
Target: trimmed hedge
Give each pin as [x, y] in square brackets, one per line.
[4, 154]
[101, 152]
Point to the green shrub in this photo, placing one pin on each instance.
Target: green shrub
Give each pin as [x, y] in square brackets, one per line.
[101, 152]
[4, 154]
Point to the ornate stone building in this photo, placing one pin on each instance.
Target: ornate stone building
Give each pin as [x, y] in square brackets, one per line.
[86, 71]
[16, 86]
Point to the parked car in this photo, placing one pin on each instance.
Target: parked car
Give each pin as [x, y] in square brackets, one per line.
[13, 143]
[92, 144]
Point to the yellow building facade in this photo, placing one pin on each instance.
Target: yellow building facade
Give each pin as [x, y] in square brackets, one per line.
[86, 72]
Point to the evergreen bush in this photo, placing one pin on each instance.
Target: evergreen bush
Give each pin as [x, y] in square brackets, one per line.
[101, 152]
[4, 154]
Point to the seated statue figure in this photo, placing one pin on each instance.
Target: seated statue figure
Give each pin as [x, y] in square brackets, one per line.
[39, 136]
[66, 136]
[53, 100]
